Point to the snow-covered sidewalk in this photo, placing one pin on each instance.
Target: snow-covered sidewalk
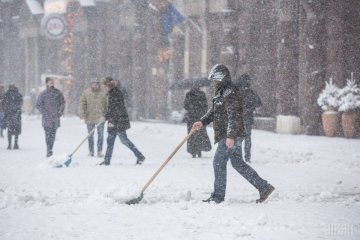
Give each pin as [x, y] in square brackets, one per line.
[316, 178]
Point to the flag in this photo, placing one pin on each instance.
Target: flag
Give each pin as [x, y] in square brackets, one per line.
[170, 18]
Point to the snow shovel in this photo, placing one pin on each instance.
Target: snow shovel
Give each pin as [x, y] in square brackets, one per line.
[138, 199]
[69, 157]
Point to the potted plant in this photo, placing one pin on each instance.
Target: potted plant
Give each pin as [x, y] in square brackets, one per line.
[329, 101]
[348, 104]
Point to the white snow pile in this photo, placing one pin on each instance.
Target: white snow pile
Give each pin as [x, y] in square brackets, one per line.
[317, 192]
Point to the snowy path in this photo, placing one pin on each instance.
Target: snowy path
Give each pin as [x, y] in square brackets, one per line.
[316, 178]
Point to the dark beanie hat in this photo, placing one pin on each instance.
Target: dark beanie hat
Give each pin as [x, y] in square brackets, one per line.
[109, 81]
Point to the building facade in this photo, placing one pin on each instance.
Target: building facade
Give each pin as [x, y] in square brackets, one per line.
[288, 47]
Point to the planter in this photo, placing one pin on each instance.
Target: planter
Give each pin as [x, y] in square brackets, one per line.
[331, 123]
[349, 122]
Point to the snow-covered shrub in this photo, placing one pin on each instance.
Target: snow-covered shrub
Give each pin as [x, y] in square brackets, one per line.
[329, 97]
[349, 96]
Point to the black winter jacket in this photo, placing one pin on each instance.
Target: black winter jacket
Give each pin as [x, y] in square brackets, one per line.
[226, 113]
[12, 104]
[195, 104]
[251, 101]
[116, 111]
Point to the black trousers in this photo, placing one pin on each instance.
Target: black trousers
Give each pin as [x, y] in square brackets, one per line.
[50, 134]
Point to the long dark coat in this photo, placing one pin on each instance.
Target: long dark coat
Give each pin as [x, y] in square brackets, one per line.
[12, 104]
[251, 100]
[116, 111]
[226, 112]
[51, 105]
[196, 106]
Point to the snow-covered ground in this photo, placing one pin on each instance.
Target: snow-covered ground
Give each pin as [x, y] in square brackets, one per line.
[316, 178]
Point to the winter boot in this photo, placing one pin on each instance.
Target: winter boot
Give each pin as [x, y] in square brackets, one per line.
[214, 199]
[199, 154]
[16, 146]
[100, 154]
[49, 153]
[140, 160]
[265, 194]
[104, 163]
[1, 132]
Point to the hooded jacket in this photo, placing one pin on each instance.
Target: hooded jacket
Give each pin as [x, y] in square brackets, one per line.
[251, 99]
[226, 111]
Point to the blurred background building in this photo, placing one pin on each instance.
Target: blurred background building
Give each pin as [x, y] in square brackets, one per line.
[288, 47]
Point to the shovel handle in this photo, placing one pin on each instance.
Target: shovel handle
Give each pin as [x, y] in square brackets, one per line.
[91, 132]
[168, 159]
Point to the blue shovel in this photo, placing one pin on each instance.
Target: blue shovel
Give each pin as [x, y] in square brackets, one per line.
[68, 160]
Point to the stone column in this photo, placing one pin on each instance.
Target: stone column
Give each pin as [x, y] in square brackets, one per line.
[287, 69]
[139, 59]
[244, 41]
[262, 54]
[351, 39]
[312, 62]
[176, 69]
[335, 41]
[101, 36]
[6, 18]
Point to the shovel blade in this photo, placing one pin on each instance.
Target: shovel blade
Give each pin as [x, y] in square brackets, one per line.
[68, 161]
[135, 200]
[64, 164]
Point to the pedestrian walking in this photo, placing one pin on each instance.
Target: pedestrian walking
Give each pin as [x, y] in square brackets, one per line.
[51, 105]
[92, 109]
[12, 105]
[250, 101]
[196, 106]
[118, 122]
[226, 116]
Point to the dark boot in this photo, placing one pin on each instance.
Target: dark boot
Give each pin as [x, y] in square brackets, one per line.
[214, 199]
[1, 132]
[16, 146]
[104, 163]
[140, 160]
[49, 153]
[199, 154]
[265, 194]
[9, 142]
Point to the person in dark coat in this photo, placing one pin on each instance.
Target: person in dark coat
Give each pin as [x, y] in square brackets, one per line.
[2, 93]
[51, 105]
[251, 101]
[118, 122]
[226, 115]
[196, 106]
[12, 104]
